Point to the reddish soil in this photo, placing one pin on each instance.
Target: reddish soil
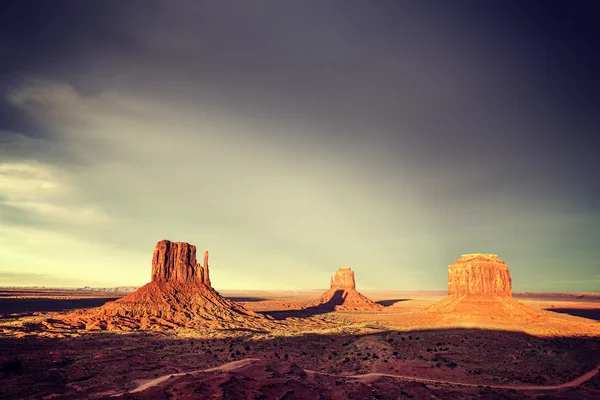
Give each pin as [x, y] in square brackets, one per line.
[399, 352]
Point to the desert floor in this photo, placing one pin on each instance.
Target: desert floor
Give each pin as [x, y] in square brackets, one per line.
[400, 352]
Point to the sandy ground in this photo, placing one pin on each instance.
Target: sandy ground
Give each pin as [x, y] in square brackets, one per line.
[225, 367]
[395, 353]
[372, 376]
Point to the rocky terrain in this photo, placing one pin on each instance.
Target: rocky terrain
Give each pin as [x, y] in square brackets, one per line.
[357, 361]
[177, 337]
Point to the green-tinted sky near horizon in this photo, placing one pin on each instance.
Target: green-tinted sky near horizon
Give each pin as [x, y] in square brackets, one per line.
[389, 140]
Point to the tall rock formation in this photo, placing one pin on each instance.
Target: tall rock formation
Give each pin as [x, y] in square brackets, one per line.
[179, 295]
[176, 262]
[342, 294]
[343, 279]
[480, 288]
[479, 274]
[205, 277]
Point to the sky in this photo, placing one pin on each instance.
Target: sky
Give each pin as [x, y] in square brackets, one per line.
[293, 138]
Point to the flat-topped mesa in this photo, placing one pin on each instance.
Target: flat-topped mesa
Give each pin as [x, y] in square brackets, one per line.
[479, 275]
[343, 279]
[176, 262]
[479, 289]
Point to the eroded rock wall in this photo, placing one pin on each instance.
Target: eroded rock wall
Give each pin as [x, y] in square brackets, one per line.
[479, 274]
[343, 279]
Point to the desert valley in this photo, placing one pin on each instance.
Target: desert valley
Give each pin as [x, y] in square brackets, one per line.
[310, 200]
[179, 338]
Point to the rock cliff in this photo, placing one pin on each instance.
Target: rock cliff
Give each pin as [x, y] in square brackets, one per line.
[343, 279]
[479, 274]
[176, 262]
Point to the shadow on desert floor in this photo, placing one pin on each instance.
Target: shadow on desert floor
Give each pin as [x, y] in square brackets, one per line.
[589, 313]
[387, 303]
[29, 305]
[323, 308]
[280, 315]
[71, 366]
[245, 299]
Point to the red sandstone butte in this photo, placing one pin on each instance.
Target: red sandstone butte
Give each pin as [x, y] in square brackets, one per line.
[179, 295]
[480, 288]
[342, 294]
[176, 262]
[343, 279]
[479, 274]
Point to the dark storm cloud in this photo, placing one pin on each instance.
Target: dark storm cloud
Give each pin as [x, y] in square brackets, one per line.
[442, 84]
[483, 115]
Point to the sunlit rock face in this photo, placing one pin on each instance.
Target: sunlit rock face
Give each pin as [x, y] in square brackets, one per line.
[205, 276]
[176, 262]
[343, 279]
[479, 290]
[479, 274]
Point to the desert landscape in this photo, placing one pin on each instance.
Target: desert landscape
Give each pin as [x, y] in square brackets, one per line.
[179, 338]
[299, 200]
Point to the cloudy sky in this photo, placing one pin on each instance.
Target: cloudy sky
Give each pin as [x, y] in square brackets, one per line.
[291, 138]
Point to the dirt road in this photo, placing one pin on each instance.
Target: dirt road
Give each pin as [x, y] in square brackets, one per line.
[575, 382]
[225, 367]
[370, 377]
